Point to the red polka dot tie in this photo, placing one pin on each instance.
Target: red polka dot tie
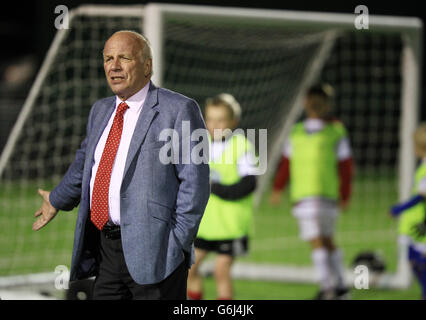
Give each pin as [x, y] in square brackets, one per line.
[99, 211]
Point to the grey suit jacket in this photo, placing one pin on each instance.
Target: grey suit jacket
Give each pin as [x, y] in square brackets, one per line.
[161, 204]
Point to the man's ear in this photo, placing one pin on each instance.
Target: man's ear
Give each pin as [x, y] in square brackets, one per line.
[147, 71]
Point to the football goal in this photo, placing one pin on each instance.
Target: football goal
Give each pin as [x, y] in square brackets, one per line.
[266, 59]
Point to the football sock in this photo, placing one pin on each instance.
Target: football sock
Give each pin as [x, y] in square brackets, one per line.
[320, 260]
[192, 295]
[336, 265]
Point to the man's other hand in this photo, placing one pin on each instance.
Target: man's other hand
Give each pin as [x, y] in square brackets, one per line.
[46, 212]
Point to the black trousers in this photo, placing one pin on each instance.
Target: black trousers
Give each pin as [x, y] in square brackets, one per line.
[115, 283]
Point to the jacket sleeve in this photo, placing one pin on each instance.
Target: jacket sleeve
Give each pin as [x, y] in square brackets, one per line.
[193, 174]
[66, 195]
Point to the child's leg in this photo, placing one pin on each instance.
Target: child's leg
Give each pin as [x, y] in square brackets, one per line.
[422, 279]
[222, 274]
[310, 231]
[335, 259]
[418, 265]
[195, 281]
[319, 257]
[327, 220]
[420, 272]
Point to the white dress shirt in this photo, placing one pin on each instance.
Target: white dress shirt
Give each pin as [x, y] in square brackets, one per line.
[131, 116]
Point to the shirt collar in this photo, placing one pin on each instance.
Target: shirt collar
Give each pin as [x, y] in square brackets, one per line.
[136, 101]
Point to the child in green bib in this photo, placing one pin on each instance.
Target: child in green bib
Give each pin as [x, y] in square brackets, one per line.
[412, 213]
[226, 222]
[317, 161]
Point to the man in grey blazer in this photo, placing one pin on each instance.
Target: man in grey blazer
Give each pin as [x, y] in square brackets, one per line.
[141, 246]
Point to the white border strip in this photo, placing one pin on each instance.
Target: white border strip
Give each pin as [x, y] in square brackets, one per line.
[240, 270]
[27, 280]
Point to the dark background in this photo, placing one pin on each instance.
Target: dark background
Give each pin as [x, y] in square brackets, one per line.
[27, 30]
[30, 28]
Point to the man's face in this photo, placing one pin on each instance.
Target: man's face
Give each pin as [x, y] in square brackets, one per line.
[125, 70]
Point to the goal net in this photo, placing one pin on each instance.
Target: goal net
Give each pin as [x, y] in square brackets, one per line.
[266, 59]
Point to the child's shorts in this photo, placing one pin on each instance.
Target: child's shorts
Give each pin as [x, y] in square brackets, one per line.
[316, 217]
[321, 225]
[232, 247]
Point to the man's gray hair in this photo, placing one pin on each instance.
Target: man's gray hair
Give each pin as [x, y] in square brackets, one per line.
[145, 45]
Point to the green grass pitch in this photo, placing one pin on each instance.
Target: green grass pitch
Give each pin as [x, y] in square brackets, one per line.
[364, 226]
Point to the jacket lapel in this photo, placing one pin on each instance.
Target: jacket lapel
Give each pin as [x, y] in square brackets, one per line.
[99, 126]
[145, 118]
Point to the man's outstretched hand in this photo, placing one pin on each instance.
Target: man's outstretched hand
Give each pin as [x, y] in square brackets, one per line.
[46, 212]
